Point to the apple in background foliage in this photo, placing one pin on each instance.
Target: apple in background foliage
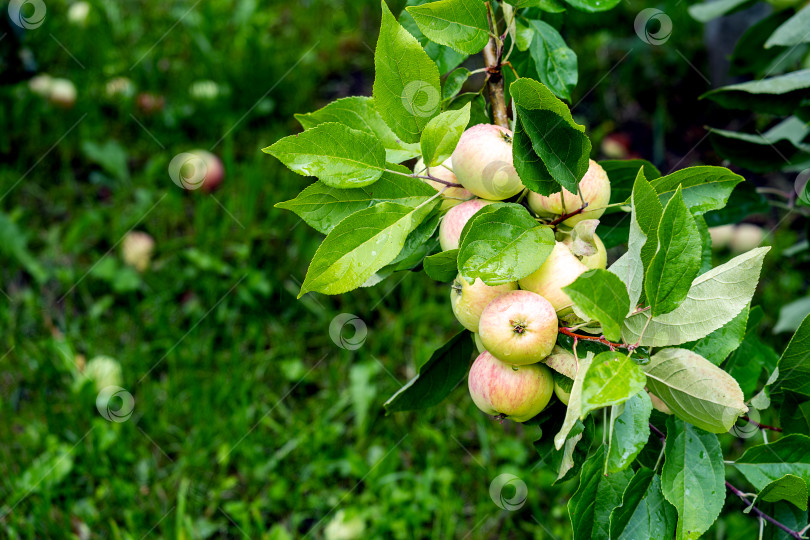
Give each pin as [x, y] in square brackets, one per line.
[62, 93]
[598, 259]
[452, 196]
[214, 170]
[517, 392]
[150, 103]
[595, 188]
[136, 250]
[559, 270]
[483, 162]
[454, 220]
[41, 84]
[468, 301]
[78, 12]
[519, 327]
[745, 238]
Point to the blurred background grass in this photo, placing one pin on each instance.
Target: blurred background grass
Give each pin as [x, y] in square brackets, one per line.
[248, 420]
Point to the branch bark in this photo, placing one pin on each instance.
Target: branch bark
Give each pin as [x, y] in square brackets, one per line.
[494, 75]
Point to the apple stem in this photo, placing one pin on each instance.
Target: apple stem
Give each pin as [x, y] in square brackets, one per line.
[600, 339]
[492, 57]
[425, 177]
[570, 214]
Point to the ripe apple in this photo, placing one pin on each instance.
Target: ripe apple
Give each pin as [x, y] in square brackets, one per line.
[595, 188]
[136, 250]
[598, 259]
[517, 392]
[560, 269]
[62, 93]
[214, 171]
[519, 327]
[468, 301]
[41, 84]
[454, 220]
[452, 196]
[482, 162]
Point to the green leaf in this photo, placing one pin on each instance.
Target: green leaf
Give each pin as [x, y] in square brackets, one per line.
[644, 512]
[743, 202]
[622, 174]
[358, 113]
[630, 266]
[495, 245]
[418, 243]
[566, 462]
[460, 24]
[716, 8]
[648, 212]
[704, 188]
[695, 390]
[593, 6]
[793, 31]
[749, 56]
[557, 140]
[791, 315]
[441, 135]
[437, 377]
[716, 346]
[407, 90]
[322, 207]
[677, 261]
[705, 245]
[794, 413]
[454, 82]
[629, 431]
[779, 95]
[611, 379]
[556, 63]
[714, 299]
[765, 463]
[752, 356]
[794, 364]
[601, 296]
[572, 413]
[339, 156]
[789, 488]
[693, 478]
[361, 244]
[442, 266]
[761, 152]
[446, 58]
[596, 498]
[530, 168]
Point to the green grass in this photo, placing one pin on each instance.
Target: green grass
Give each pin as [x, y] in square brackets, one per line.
[249, 421]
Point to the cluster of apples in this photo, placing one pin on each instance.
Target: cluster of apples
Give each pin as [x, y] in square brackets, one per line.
[516, 324]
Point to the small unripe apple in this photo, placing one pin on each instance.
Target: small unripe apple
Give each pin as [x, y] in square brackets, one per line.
[452, 196]
[454, 220]
[562, 387]
[519, 327]
[62, 93]
[517, 392]
[559, 270]
[598, 259]
[482, 162]
[136, 250]
[746, 237]
[468, 301]
[595, 188]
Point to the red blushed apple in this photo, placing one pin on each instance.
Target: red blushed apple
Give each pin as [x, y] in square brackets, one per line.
[595, 188]
[517, 392]
[214, 171]
[559, 270]
[519, 327]
[453, 195]
[454, 220]
[468, 301]
[482, 162]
